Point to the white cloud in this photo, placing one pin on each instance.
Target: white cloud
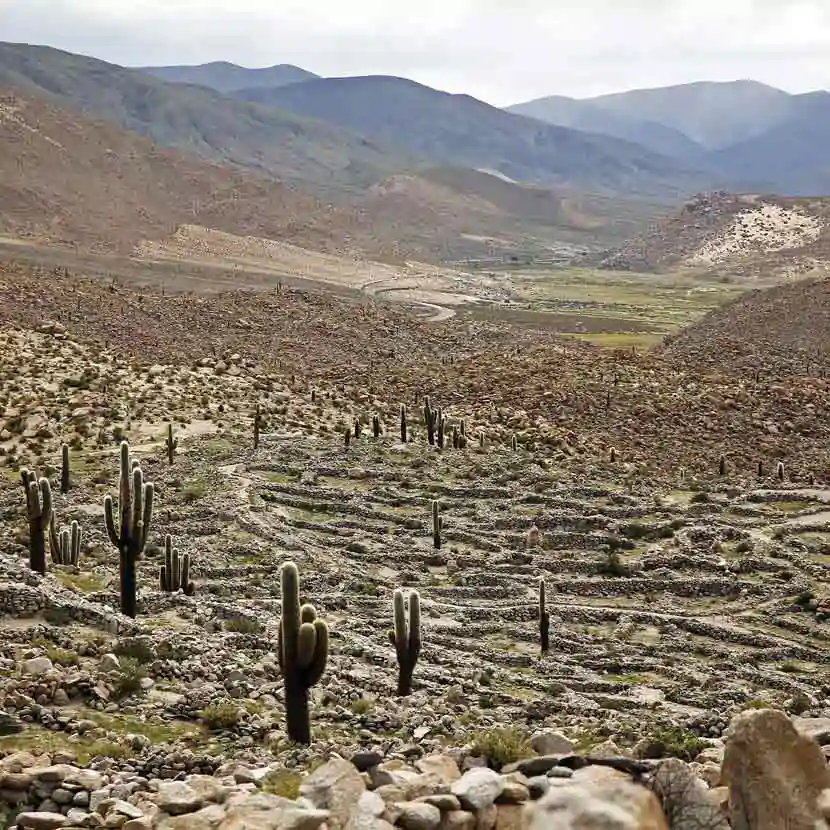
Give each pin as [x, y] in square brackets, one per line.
[499, 51]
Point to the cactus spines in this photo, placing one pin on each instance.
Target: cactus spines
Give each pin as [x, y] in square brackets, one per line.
[172, 444]
[257, 425]
[174, 574]
[65, 546]
[779, 471]
[406, 637]
[544, 619]
[376, 426]
[65, 483]
[403, 423]
[129, 535]
[39, 515]
[437, 525]
[303, 651]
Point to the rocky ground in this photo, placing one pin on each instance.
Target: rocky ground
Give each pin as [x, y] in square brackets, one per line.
[682, 596]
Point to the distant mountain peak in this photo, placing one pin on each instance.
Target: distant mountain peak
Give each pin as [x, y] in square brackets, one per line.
[226, 77]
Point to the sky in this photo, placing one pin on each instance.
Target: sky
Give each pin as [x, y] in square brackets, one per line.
[501, 51]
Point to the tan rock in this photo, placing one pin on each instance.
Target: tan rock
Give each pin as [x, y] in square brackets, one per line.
[685, 798]
[337, 787]
[510, 817]
[487, 817]
[775, 774]
[440, 765]
[457, 820]
[596, 800]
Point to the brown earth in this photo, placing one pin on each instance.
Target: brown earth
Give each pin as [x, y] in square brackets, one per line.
[661, 415]
[785, 330]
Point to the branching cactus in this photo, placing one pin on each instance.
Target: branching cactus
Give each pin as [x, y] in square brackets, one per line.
[65, 546]
[303, 652]
[406, 637]
[437, 525]
[174, 574]
[129, 534]
[172, 444]
[403, 423]
[39, 516]
[65, 483]
[544, 619]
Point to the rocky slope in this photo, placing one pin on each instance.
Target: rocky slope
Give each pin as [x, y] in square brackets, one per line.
[678, 601]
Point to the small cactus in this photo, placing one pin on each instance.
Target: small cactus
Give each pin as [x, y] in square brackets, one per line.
[544, 619]
[437, 525]
[514, 443]
[403, 423]
[173, 444]
[65, 546]
[347, 437]
[303, 651]
[722, 466]
[129, 536]
[357, 427]
[39, 515]
[482, 441]
[779, 471]
[405, 636]
[760, 468]
[455, 436]
[174, 574]
[65, 482]
[533, 536]
[442, 428]
[376, 426]
[612, 455]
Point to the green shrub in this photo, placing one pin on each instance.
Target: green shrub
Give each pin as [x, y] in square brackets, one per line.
[502, 746]
[674, 742]
[221, 715]
[129, 678]
[243, 625]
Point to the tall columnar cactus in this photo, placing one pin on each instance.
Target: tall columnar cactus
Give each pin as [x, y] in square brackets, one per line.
[65, 483]
[760, 468]
[437, 525]
[544, 619]
[376, 426]
[174, 574]
[172, 444]
[65, 546]
[722, 466]
[303, 651]
[347, 437]
[403, 423]
[406, 637]
[442, 428]
[431, 420]
[39, 516]
[357, 427]
[129, 535]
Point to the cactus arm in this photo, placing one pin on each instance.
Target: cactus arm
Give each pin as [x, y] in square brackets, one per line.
[75, 552]
[54, 541]
[109, 518]
[414, 627]
[315, 669]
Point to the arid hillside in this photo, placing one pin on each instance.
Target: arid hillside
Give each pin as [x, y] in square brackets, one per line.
[785, 329]
[742, 235]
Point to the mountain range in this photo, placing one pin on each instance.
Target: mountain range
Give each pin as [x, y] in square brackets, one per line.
[371, 144]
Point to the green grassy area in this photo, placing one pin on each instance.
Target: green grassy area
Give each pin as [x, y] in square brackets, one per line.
[621, 309]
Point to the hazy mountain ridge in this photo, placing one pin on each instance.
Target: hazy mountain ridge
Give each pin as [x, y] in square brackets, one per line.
[755, 136]
[228, 77]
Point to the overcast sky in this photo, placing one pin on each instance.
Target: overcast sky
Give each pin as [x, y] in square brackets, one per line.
[503, 51]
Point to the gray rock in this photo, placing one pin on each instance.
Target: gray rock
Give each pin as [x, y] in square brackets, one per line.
[176, 798]
[548, 742]
[538, 786]
[560, 772]
[37, 666]
[417, 815]
[685, 799]
[817, 729]
[110, 662]
[41, 821]
[366, 760]
[477, 789]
